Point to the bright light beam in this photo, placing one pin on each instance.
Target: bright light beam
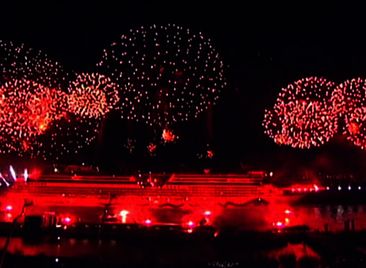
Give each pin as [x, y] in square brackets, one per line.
[4, 180]
[12, 172]
[25, 175]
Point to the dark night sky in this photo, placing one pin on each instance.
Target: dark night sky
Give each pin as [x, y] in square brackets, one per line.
[265, 46]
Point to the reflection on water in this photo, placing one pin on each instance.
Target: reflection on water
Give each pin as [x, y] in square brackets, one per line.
[336, 218]
[299, 250]
[209, 254]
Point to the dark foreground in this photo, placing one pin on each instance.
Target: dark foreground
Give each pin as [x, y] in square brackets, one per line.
[169, 249]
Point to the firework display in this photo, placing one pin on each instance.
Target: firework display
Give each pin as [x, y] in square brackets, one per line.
[38, 118]
[92, 95]
[166, 73]
[303, 115]
[67, 136]
[349, 99]
[159, 75]
[27, 110]
[89, 98]
[17, 61]
[35, 121]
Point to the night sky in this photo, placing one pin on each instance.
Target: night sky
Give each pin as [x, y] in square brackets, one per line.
[264, 46]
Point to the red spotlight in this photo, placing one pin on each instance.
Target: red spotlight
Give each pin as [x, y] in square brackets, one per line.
[279, 224]
[190, 224]
[9, 208]
[124, 213]
[148, 222]
[207, 213]
[67, 220]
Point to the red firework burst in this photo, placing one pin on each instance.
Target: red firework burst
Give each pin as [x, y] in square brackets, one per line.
[17, 61]
[27, 109]
[168, 136]
[167, 74]
[303, 115]
[349, 99]
[92, 95]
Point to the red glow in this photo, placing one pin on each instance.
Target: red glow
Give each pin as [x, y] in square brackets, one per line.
[76, 177]
[207, 170]
[281, 216]
[297, 250]
[35, 174]
[205, 196]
